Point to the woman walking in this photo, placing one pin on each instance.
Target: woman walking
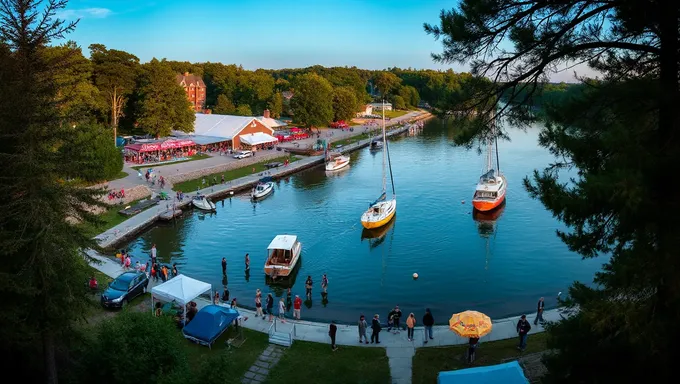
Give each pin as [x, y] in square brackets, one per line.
[258, 304]
[411, 325]
[270, 307]
[282, 310]
[362, 329]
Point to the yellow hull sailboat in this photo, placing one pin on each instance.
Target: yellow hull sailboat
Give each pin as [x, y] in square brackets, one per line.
[381, 211]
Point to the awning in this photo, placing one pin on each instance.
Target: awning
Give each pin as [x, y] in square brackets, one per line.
[257, 138]
[160, 146]
[181, 289]
[283, 242]
[508, 373]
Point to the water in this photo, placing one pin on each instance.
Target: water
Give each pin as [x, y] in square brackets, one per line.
[497, 265]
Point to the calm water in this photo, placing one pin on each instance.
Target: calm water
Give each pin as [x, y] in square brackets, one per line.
[498, 264]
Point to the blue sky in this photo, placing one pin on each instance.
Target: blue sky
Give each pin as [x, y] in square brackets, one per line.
[371, 34]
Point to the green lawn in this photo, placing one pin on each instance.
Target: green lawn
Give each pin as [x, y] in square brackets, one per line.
[199, 156]
[120, 175]
[428, 362]
[191, 185]
[307, 362]
[351, 140]
[392, 114]
[110, 218]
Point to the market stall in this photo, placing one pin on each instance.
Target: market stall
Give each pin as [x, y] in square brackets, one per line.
[159, 151]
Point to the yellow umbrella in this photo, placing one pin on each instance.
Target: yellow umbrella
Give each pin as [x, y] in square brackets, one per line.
[470, 324]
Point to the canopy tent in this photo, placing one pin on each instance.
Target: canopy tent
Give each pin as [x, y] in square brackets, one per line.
[507, 373]
[181, 289]
[209, 323]
[160, 145]
[257, 138]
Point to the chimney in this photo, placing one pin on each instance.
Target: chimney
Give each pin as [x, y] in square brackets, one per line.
[186, 74]
[266, 114]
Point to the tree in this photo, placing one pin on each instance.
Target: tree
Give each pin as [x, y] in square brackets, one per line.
[275, 105]
[224, 106]
[386, 82]
[243, 110]
[398, 102]
[621, 134]
[344, 103]
[410, 95]
[254, 89]
[114, 73]
[312, 104]
[43, 269]
[163, 105]
[76, 95]
[91, 149]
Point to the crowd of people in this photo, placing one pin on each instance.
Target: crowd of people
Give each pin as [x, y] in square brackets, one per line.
[159, 156]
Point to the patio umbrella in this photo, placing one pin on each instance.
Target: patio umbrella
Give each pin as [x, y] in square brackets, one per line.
[470, 324]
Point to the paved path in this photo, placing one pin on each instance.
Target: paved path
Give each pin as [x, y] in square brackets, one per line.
[266, 361]
[401, 363]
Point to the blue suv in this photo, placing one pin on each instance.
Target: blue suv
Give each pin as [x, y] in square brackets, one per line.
[124, 288]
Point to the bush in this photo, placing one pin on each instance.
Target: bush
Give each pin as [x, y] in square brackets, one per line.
[135, 346]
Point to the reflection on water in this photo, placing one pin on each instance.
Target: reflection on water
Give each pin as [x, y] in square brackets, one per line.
[500, 261]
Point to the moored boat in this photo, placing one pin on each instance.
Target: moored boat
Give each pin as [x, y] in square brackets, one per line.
[376, 145]
[203, 203]
[337, 162]
[262, 189]
[491, 188]
[283, 254]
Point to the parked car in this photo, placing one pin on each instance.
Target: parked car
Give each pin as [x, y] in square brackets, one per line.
[124, 288]
[242, 154]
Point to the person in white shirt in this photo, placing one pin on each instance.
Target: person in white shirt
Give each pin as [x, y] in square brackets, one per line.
[282, 310]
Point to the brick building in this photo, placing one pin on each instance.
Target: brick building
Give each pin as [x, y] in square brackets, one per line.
[195, 88]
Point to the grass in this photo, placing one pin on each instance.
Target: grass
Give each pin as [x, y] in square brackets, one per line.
[428, 362]
[307, 362]
[110, 218]
[120, 175]
[191, 185]
[351, 140]
[198, 156]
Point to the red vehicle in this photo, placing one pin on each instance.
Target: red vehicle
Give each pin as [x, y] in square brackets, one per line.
[340, 124]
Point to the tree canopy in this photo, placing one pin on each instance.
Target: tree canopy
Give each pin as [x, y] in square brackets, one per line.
[313, 100]
[386, 82]
[344, 103]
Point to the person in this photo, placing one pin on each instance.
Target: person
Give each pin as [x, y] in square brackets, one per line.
[153, 254]
[191, 312]
[324, 283]
[127, 262]
[144, 267]
[523, 328]
[93, 284]
[410, 324]
[297, 306]
[362, 329]
[223, 178]
[154, 272]
[472, 348]
[225, 295]
[539, 311]
[233, 303]
[224, 266]
[270, 307]
[138, 266]
[216, 299]
[395, 315]
[247, 263]
[375, 329]
[333, 329]
[174, 270]
[164, 273]
[428, 322]
[159, 309]
[282, 310]
[308, 287]
[258, 306]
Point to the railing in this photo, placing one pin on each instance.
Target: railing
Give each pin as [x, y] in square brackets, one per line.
[273, 325]
[292, 335]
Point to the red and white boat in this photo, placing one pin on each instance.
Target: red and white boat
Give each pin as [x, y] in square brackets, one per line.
[491, 188]
[337, 162]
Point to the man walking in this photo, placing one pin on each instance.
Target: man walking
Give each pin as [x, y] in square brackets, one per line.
[331, 332]
[297, 306]
[362, 329]
[153, 254]
[247, 263]
[375, 329]
[539, 311]
[224, 266]
[428, 322]
[523, 328]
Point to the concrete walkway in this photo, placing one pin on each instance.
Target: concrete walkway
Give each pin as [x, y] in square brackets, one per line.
[401, 364]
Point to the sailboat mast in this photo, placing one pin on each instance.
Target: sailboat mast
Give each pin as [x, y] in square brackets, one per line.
[384, 171]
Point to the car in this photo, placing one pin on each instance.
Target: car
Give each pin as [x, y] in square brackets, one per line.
[124, 288]
[242, 154]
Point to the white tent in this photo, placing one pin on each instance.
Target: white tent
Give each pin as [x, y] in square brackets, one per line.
[257, 138]
[181, 289]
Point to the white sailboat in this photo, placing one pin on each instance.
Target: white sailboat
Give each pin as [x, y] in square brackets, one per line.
[381, 211]
[492, 185]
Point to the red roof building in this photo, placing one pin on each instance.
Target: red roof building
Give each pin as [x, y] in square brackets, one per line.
[195, 89]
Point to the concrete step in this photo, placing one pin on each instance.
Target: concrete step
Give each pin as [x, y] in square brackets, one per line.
[280, 338]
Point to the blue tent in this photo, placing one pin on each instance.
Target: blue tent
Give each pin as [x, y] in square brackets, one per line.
[209, 323]
[507, 373]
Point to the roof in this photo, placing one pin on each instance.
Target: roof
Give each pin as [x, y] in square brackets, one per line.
[202, 140]
[127, 276]
[283, 242]
[257, 138]
[186, 80]
[181, 288]
[374, 105]
[209, 323]
[508, 373]
[226, 126]
[272, 123]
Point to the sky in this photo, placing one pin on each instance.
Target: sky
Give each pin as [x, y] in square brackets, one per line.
[370, 34]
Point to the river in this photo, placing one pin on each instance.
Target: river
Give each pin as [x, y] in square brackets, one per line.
[497, 264]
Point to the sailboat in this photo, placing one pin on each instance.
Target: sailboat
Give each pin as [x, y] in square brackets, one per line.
[491, 188]
[381, 211]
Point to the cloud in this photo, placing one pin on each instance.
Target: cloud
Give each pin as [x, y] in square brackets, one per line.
[94, 13]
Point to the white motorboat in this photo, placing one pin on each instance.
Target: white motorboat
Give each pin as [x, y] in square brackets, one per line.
[334, 163]
[202, 202]
[262, 190]
[376, 145]
[283, 254]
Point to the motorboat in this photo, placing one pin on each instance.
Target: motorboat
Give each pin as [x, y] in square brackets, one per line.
[376, 145]
[262, 189]
[202, 202]
[382, 210]
[492, 185]
[337, 162]
[283, 254]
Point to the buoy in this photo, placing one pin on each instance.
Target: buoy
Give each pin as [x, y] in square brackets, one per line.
[415, 276]
[462, 201]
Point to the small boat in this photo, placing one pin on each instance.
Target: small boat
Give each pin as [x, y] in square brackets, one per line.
[381, 211]
[336, 162]
[283, 254]
[262, 190]
[202, 202]
[376, 145]
[491, 188]
[170, 214]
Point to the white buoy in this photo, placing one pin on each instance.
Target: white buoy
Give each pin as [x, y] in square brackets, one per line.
[415, 276]
[462, 201]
